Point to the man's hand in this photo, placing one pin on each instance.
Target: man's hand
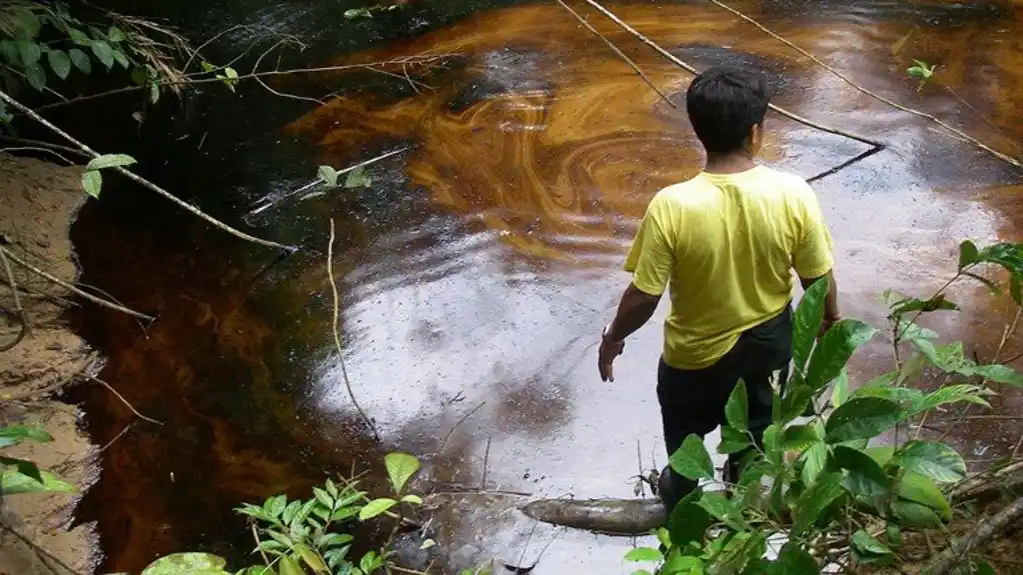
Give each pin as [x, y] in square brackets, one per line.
[609, 350]
[827, 323]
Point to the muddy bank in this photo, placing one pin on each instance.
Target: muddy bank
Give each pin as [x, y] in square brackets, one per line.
[38, 201]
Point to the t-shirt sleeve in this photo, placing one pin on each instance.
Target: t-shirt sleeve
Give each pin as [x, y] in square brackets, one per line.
[652, 258]
[813, 255]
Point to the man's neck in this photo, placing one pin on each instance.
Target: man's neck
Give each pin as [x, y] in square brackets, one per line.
[729, 163]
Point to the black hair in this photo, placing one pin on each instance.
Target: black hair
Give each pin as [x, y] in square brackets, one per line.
[724, 103]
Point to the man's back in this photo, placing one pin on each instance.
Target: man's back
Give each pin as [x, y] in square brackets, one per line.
[727, 243]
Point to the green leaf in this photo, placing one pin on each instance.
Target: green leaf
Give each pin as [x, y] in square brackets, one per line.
[427, 543]
[24, 467]
[334, 540]
[793, 560]
[688, 522]
[400, 468]
[78, 37]
[997, 373]
[866, 479]
[733, 441]
[951, 394]
[862, 418]
[882, 454]
[375, 508]
[19, 432]
[109, 161]
[28, 24]
[722, 508]
[934, 460]
[641, 554]
[92, 182]
[80, 60]
[327, 175]
[121, 59]
[288, 566]
[737, 408]
[115, 35]
[36, 77]
[920, 489]
[311, 558]
[806, 323]
[30, 52]
[817, 497]
[357, 178]
[288, 515]
[181, 563]
[834, 350]
[370, 562]
[692, 460]
[968, 254]
[840, 394]
[814, 460]
[274, 506]
[103, 52]
[60, 63]
[9, 51]
[13, 482]
[911, 514]
[412, 499]
[868, 549]
[798, 437]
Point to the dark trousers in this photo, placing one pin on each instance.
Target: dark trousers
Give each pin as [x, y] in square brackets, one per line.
[693, 401]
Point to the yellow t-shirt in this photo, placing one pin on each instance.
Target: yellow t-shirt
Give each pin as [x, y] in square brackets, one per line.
[728, 244]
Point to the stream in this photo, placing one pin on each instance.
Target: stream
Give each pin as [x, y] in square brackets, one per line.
[477, 269]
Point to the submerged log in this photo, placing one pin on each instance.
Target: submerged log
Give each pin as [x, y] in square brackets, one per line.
[608, 516]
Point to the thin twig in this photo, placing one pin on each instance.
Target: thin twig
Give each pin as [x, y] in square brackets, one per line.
[444, 443]
[142, 181]
[337, 334]
[620, 54]
[116, 437]
[35, 149]
[675, 60]
[317, 182]
[42, 144]
[275, 92]
[486, 462]
[53, 279]
[878, 97]
[36, 548]
[984, 531]
[18, 310]
[123, 400]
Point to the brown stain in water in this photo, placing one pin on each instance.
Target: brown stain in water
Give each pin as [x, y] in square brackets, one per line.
[538, 133]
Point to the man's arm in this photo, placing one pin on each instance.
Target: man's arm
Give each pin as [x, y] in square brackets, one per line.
[634, 310]
[831, 313]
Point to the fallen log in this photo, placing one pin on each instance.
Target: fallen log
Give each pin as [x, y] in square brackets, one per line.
[608, 516]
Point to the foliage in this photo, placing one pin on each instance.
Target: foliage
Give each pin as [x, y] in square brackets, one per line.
[817, 483]
[922, 71]
[20, 475]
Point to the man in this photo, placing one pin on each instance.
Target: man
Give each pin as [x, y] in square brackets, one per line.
[727, 241]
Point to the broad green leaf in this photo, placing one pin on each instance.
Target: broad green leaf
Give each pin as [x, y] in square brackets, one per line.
[834, 350]
[793, 560]
[798, 437]
[327, 175]
[997, 373]
[182, 563]
[817, 497]
[78, 37]
[737, 408]
[311, 558]
[814, 459]
[911, 514]
[376, 507]
[334, 540]
[863, 418]
[982, 567]
[103, 52]
[92, 182]
[80, 60]
[722, 508]
[276, 505]
[840, 394]
[400, 468]
[24, 467]
[951, 394]
[288, 566]
[26, 20]
[36, 76]
[323, 497]
[681, 564]
[154, 92]
[109, 161]
[919, 489]
[9, 51]
[121, 58]
[370, 562]
[115, 35]
[934, 460]
[412, 499]
[642, 554]
[30, 52]
[60, 63]
[868, 549]
[936, 303]
[19, 432]
[772, 445]
[663, 537]
[882, 454]
[968, 254]
[733, 441]
[288, 515]
[13, 482]
[357, 178]
[688, 522]
[692, 460]
[806, 323]
[427, 543]
[865, 477]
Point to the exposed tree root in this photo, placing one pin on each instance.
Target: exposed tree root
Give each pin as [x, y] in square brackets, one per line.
[860, 88]
[142, 181]
[985, 530]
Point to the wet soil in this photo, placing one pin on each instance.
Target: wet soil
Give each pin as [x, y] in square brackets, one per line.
[478, 268]
[38, 202]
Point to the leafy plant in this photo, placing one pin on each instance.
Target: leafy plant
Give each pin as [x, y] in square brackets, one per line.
[92, 178]
[922, 71]
[23, 476]
[818, 482]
